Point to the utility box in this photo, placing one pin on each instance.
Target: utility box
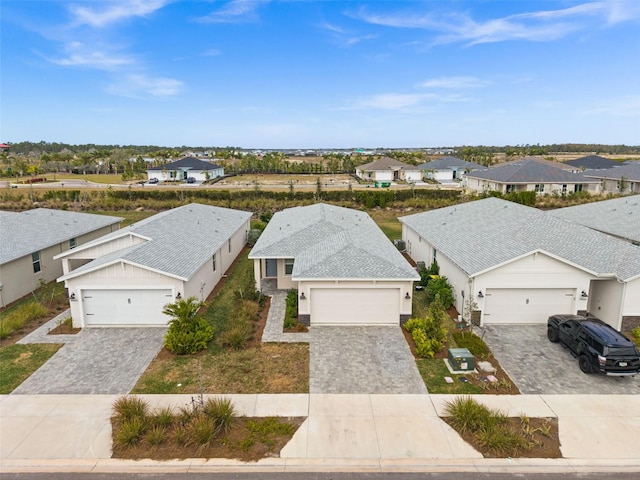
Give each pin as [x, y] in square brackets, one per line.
[461, 359]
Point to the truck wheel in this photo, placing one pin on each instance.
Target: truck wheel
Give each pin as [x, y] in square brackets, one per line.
[585, 364]
[552, 334]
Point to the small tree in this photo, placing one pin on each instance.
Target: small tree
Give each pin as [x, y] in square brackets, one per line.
[440, 287]
[188, 332]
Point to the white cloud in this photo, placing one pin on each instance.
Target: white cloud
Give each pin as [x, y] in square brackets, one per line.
[620, 107]
[404, 101]
[80, 55]
[235, 11]
[140, 85]
[454, 83]
[212, 52]
[343, 37]
[116, 11]
[544, 25]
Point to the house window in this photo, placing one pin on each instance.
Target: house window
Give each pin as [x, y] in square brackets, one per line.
[288, 266]
[434, 254]
[214, 262]
[35, 258]
[564, 188]
[72, 243]
[229, 245]
[511, 188]
[578, 187]
[539, 188]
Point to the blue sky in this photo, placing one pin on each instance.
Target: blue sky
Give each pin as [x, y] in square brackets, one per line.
[320, 74]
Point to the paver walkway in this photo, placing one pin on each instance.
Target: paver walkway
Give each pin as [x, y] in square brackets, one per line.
[362, 359]
[538, 366]
[96, 360]
[275, 320]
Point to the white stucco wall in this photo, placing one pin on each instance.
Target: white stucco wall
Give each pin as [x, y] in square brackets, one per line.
[631, 303]
[605, 301]
[412, 175]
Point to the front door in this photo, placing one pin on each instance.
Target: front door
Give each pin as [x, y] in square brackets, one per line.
[271, 267]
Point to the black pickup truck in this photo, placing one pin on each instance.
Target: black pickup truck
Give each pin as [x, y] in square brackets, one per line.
[598, 346]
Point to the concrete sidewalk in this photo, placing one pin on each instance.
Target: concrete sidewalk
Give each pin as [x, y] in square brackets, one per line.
[342, 433]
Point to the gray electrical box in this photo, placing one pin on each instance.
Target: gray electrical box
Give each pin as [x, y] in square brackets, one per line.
[461, 359]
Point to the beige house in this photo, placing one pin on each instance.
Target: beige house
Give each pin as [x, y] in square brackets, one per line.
[126, 278]
[29, 242]
[518, 265]
[388, 170]
[344, 268]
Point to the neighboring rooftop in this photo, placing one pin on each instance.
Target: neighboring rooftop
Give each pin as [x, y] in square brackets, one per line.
[34, 230]
[528, 170]
[618, 216]
[188, 163]
[329, 242]
[593, 162]
[386, 163]
[178, 241]
[628, 170]
[481, 235]
[448, 162]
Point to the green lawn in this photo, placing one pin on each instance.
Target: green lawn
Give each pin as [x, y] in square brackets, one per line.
[388, 223]
[109, 178]
[433, 372]
[130, 216]
[18, 362]
[268, 368]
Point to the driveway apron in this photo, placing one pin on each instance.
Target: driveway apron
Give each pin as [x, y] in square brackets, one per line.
[362, 359]
[538, 366]
[96, 361]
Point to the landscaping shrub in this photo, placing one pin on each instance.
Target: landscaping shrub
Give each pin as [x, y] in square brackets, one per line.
[237, 335]
[130, 432]
[291, 311]
[202, 430]
[19, 316]
[222, 411]
[426, 273]
[188, 333]
[636, 332]
[440, 287]
[472, 342]
[428, 333]
[129, 407]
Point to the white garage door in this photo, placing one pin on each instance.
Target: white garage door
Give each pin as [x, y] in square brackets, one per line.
[516, 305]
[355, 306]
[125, 307]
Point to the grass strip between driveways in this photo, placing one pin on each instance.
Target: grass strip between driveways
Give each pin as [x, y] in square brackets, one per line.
[18, 362]
[266, 368]
[433, 371]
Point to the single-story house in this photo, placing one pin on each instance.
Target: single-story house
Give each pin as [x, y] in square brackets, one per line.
[345, 269]
[125, 278]
[387, 170]
[622, 179]
[185, 168]
[30, 241]
[593, 162]
[448, 169]
[529, 174]
[619, 217]
[516, 264]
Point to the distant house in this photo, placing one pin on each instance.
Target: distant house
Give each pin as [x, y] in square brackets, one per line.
[345, 269]
[448, 169]
[622, 179]
[29, 242]
[4, 147]
[593, 162]
[618, 217]
[529, 174]
[387, 170]
[185, 168]
[125, 278]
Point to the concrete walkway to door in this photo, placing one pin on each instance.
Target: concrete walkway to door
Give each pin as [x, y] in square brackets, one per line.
[362, 359]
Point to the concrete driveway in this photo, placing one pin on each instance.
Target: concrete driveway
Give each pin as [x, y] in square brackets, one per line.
[538, 366]
[361, 359]
[94, 361]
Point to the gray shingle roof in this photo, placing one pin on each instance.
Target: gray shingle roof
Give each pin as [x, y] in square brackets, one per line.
[618, 216]
[630, 171]
[180, 241]
[329, 242]
[188, 163]
[528, 171]
[593, 162]
[448, 162]
[481, 235]
[386, 163]
[27, 232]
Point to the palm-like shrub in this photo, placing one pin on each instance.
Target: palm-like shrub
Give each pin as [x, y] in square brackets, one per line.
[188, 332]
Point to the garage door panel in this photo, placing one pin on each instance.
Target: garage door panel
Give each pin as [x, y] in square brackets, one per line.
[519, 305]
[355, 306]
[125, 307]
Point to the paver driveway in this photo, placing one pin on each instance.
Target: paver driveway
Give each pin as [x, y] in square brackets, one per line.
[95, 361]
[361, 359]
[538, 366]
